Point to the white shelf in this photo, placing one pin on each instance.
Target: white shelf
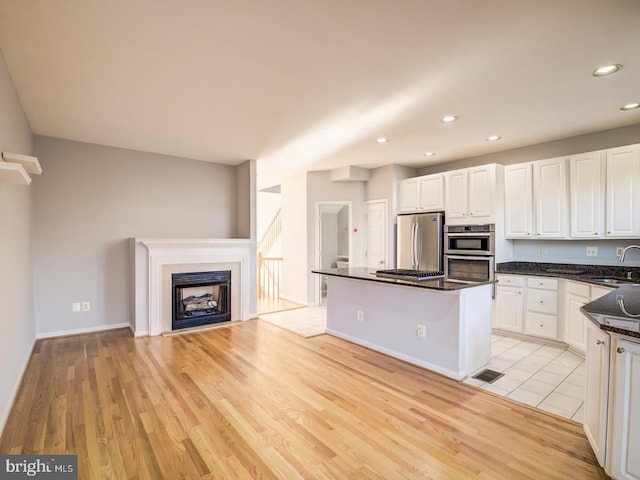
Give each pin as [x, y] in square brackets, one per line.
[14, 173]
[30, 164]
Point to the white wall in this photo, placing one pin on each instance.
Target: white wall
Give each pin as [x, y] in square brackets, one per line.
[92, 199]
[16, 278]
[294, 239]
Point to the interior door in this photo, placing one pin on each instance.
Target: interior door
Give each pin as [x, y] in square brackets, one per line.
[377, 234]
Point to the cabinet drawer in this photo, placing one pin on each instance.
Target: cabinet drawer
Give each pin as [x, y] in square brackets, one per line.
[542, 325]
[543, 283]
[543, 301]
[579, 289]
[510, 280]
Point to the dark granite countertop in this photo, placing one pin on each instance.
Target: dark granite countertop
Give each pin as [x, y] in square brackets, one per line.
[617, 311]
[578, 272]
[368, 274]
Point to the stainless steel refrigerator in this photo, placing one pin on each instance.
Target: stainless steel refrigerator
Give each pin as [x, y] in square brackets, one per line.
[419, 241]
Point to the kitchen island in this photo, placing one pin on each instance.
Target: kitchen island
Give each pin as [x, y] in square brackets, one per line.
[437, 324]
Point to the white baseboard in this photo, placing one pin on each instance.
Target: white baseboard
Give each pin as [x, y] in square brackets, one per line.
[78, 331]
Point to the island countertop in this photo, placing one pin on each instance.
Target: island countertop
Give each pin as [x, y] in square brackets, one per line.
[368, 274]
[617, 311]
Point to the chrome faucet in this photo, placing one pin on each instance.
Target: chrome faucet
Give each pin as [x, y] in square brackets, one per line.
[624, 252]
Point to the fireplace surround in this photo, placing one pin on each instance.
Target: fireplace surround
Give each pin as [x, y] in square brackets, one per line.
[156, 260]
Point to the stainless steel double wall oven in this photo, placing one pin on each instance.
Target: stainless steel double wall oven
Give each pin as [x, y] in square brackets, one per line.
[469, 252]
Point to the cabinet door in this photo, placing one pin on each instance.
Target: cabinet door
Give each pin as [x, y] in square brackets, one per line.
[550, 193]
[456, 194]
[432, 192]
[509, 308]
[625, 434]
[586, 185]
[596, 386]
[481, 191]
[623, 191]
[518, 201]
[409, 195]
[576, 322]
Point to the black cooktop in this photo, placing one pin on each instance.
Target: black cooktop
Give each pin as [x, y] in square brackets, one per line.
[410, 274]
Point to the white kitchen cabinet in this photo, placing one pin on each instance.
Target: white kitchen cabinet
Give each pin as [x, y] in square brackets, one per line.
[596, 397]
[408, 193]
[586, 187]
[456, 194]
[422, 194]
[550, 197]
[542, 307]
[578, 294]
[431, 193]
[471, 194]
[518, 205]
[624, 427]
[509, 309]
[623, 191]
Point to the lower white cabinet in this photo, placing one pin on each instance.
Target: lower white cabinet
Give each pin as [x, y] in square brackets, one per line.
[542, 307]
[612, 397]
[577, 295]
[596, 388]
[509, 311]
[624, 404]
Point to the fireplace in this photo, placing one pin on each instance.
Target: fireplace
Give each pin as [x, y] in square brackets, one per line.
[200, 298]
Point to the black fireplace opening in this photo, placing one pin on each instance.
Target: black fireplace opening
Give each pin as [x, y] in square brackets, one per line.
[201, 298]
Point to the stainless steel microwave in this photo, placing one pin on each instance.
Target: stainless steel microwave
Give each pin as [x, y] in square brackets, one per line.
[469, 239]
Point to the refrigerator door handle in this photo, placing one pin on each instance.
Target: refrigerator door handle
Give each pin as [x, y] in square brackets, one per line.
[413, 244]
[418, 245]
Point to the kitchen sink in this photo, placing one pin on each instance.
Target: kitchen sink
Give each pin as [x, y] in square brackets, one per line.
[611, 280]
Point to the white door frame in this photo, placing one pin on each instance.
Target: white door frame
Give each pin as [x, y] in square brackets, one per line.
[386, 229]
[317, 253]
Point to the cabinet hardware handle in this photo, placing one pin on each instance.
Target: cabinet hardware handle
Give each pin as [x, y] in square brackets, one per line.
[541, 301]
[599, 342]
[620, 350]
[541, 325]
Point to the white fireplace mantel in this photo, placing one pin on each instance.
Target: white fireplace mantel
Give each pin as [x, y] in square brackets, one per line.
[155, 259]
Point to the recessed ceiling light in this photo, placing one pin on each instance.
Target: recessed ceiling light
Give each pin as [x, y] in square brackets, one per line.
[493, 138]
[449, 119]
[630, 106]
[382, 140]
[607, 70]
[428, 154]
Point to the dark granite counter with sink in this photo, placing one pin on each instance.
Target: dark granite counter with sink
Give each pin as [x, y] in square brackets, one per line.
[617, 311]
[607, 275]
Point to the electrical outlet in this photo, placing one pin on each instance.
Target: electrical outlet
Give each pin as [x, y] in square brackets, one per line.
[421, 331]
[360, 316]
[592, 251]
[619, 251]
[75, 307]
[86, 306]
[543, 251]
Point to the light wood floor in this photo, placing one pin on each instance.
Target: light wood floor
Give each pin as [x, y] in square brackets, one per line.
[256, 401]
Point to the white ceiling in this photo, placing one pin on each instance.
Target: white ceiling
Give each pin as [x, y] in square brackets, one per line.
[310, 84]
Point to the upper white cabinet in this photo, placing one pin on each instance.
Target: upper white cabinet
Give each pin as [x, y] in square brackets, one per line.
[518, 207]
[550, 197]
[586, 186]
[422, 194]
[623, 191]
[431, 192]
[470, 194]
[408, 193]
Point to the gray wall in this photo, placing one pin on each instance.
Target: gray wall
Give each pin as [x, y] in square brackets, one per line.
[16, 300]
[90, 200]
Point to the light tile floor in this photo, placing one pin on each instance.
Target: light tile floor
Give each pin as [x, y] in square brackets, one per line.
[543, 376]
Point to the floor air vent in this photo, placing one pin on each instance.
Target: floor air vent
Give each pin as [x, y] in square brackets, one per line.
[488, 376]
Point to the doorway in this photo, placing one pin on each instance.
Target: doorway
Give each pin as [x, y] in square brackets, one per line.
[333, 241]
